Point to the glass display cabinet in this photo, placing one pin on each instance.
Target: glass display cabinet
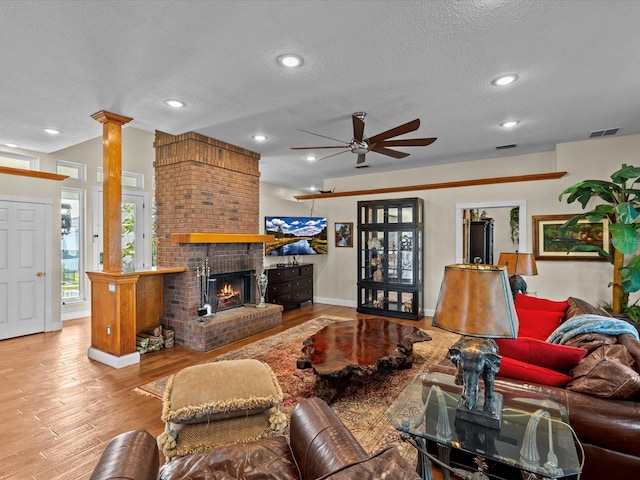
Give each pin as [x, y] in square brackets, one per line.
[390, 258]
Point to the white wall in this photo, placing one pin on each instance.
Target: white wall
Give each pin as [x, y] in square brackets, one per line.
[595, 158]
[138, 156]
[335, 273]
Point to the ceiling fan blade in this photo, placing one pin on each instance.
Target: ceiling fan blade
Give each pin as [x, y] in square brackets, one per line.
[399, 130]
[332, 155]
[389, 152]
[409, 142]
[361, 159]
[315, 148]
[323, 136]
[358, 128]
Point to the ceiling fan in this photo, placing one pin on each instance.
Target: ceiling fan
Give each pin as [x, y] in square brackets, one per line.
[380, 143]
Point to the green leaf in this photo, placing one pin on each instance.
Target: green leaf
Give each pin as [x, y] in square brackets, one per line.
[634, 263]
[583, 191]
[626, 213]
[570, 223]
[624, 237]
[603, 208]
[625, 173]
[630, 279]
[592, 248]
[595, 217]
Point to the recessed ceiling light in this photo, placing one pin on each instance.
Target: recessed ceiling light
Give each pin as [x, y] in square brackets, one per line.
[311, 158]
[290, 60]
[174, 103]
[509, 124]
[505, 80]
[313, 189]
[51, 131]
[259, 138]
[12, 145]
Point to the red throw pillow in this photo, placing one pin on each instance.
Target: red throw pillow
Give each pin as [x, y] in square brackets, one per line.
[512, 368]
[535, 303]
[560, 358]
[537, 323]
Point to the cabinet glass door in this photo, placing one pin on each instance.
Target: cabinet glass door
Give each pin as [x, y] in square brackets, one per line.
[374, 257]
[390, 257]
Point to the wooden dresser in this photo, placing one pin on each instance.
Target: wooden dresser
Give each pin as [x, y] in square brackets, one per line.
[290, 285]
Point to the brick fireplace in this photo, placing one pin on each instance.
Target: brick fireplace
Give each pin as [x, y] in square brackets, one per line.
[207, 207]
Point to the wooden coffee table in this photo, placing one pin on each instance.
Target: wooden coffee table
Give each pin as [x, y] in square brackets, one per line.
[357, 347]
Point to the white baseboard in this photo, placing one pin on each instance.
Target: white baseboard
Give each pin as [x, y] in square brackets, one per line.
[336, 301]
[112, 360]
[73, 315]
[349, 303]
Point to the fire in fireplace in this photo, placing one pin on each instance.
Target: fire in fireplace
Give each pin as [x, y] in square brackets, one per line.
[231, 289]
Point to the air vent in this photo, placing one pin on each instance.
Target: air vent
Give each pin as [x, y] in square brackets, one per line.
[505, 147]
[604, 133]
[362, 166]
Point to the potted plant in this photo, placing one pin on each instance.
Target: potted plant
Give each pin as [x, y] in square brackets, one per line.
[621, 197]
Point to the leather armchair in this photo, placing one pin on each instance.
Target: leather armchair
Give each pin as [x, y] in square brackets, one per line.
[320, 447]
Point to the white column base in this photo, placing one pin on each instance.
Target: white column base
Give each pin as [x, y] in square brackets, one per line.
[112, 360]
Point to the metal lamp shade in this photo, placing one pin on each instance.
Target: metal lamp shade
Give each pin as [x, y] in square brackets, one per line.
[476, 300]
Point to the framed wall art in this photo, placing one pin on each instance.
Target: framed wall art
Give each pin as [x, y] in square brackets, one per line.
[344, 234]
[548, 244]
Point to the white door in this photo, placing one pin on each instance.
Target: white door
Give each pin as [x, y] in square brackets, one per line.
[22, 268]
[133, 230]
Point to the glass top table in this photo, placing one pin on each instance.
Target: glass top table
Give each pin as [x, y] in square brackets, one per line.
[535, 436]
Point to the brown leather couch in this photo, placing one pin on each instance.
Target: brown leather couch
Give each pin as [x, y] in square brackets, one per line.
[320, 447]
[608, 429]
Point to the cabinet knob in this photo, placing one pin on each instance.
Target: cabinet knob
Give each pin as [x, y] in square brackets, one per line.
[40, 274]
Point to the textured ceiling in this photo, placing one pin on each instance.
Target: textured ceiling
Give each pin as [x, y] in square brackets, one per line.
[578, 63]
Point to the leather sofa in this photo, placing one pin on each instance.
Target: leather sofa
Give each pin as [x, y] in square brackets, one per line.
[608, 429]
[320, 447]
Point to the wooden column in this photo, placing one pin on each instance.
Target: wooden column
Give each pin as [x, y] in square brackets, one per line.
[112, 196]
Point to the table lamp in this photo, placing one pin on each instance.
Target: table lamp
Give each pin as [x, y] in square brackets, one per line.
[518, 264]
[475, 301]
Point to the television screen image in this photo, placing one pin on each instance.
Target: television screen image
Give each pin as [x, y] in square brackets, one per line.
[296, 235]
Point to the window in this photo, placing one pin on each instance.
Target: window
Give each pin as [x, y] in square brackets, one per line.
[72, 258]
[129, 179]
[15, 160]
[73, 170]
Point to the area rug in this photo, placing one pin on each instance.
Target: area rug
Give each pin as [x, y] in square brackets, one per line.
[361, 406]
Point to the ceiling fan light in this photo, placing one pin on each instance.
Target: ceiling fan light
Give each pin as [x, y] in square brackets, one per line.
[311, 158]
[290, 60]
[505, 80]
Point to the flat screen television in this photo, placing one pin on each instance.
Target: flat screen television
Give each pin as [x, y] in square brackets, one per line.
[296, 235]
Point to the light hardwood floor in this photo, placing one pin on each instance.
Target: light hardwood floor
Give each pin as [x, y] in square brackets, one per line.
[59, 409]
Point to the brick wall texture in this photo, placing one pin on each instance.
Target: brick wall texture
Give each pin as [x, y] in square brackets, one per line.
[203, 185]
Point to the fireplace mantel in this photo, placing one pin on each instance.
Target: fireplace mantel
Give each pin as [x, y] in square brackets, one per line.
[220, 238]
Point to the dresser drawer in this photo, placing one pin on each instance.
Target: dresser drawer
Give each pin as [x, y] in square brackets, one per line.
[279, 288]
[290, 285]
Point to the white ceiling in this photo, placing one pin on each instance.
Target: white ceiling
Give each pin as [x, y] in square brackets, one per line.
[578, 63]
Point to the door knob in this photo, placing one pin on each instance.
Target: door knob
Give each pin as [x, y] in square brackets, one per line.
[40, 274]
